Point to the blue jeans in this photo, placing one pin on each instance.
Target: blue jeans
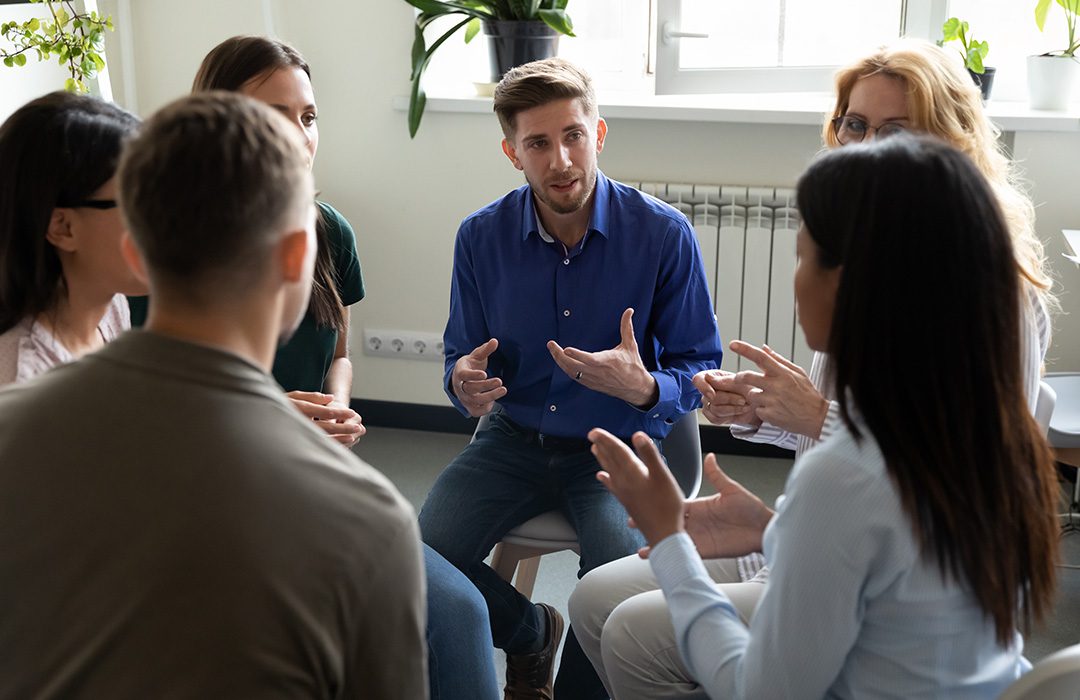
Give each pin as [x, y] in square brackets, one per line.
[460, 663]
[503, 478]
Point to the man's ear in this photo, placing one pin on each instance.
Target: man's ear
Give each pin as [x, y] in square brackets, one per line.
[601, 133]
[133, 258]
[511, 153]
[59, 231]
[292, 252]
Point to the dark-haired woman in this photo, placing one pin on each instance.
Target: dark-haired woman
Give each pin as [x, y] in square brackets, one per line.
[906, 553]
[314, 366]
[62, 278]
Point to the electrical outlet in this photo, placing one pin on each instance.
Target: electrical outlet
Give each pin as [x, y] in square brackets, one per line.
[410, 345]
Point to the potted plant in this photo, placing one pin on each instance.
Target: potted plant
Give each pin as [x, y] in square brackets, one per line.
[519, 31]
[974, 53]
[74, 38]
[1052, 76]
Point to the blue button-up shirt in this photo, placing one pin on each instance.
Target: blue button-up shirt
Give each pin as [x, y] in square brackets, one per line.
[515, 284]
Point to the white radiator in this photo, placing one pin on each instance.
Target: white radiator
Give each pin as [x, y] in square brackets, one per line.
[747, 238]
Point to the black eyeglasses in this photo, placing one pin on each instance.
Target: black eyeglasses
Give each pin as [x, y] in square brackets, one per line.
[850, 129]
[91, 204]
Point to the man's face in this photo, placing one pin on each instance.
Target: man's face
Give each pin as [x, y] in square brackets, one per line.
[555, 145]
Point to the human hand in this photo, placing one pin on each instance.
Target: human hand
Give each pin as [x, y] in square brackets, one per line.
[786, 397]
[474, 389]
[617, 372]
[338, 421]
[723, 401]
[644, 486]
[729, 523]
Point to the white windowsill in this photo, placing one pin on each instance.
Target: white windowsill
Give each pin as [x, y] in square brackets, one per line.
[798, 109]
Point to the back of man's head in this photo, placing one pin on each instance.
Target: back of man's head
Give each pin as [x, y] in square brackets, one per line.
[208, 187]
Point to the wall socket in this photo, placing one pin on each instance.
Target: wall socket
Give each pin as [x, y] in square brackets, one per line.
[408, 345]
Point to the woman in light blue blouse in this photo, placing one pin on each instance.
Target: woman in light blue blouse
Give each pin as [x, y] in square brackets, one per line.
[914, 542]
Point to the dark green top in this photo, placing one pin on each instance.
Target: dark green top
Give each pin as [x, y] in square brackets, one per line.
[302, 363]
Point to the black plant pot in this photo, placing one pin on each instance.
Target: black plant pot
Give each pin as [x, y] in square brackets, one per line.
[985, 80]
[512, 43]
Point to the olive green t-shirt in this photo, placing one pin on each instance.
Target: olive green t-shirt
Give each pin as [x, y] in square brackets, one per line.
[302, 363]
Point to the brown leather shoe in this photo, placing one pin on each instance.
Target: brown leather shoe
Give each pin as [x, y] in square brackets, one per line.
[530, 676]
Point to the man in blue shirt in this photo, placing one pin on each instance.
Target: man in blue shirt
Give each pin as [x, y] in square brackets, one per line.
[576, 302]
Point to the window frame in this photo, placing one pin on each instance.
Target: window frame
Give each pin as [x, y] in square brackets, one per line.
[920, 18]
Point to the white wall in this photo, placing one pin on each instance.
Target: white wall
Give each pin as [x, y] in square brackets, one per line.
[405, 198]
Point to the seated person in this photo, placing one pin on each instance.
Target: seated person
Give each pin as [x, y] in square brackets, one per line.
[187, 533]
[62, 277]
[888, 578]
[576, 301]
[910, 86]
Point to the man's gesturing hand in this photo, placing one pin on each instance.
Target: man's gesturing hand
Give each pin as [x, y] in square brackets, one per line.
[471, 384]
[617, 372]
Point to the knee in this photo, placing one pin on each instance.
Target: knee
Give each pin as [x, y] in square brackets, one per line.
[593, 599]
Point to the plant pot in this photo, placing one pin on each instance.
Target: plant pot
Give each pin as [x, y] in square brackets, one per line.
[984, 80]
[512, 43]
[1051, 81]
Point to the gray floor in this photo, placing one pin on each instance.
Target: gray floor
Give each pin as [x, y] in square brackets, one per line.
[413, 459]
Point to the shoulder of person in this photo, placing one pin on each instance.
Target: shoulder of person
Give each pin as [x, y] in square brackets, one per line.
[642, 203]
[845, 474]
[338, 227]
[509, 205]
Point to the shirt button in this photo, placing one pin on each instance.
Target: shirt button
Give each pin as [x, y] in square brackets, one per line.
[566, 312]
[551, 408]
[656, 415]
[566, 261]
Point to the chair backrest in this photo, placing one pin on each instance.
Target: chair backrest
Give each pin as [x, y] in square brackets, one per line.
[1044, 406]
[1065, 423]
[682, 449]
[1057, 677]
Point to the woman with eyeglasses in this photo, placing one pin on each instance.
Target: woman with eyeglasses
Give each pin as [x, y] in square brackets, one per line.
[910, 86]
[906, 553]
[62, 277]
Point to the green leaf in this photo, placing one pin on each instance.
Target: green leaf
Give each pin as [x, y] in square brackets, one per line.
[417, 102]
[559, 21]
[20, 60]
[950, 31]
[71, 85]
[34, 24]
[9, 61]
[472, 29]
[419, 49]
[1041, 9]
[99, 62]
[435, 7]
[975, 60]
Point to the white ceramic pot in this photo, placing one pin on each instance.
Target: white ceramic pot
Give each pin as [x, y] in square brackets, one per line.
[1052, 81]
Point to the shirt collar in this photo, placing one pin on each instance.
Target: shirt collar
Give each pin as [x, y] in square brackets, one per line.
[598, 221]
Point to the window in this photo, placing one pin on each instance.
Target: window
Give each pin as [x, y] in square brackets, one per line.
[776, 45]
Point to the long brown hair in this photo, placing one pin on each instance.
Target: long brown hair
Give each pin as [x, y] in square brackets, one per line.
[55, 151]
[229, 66]
[925, 346]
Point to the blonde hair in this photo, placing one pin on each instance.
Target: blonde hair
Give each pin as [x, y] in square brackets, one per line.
[946, 103]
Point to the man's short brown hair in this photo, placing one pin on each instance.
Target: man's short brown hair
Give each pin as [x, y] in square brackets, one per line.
[208, 185]
[538, 83]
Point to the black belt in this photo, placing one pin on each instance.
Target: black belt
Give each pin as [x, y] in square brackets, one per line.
[557, 443]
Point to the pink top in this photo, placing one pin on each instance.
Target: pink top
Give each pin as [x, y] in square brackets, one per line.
[29, 349]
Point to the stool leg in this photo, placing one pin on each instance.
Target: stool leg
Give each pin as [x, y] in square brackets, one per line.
[526, 576]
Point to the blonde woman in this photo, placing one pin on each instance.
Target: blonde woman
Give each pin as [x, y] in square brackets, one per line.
[906, 87]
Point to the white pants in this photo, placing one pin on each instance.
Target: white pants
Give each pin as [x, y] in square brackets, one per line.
[622, 622]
